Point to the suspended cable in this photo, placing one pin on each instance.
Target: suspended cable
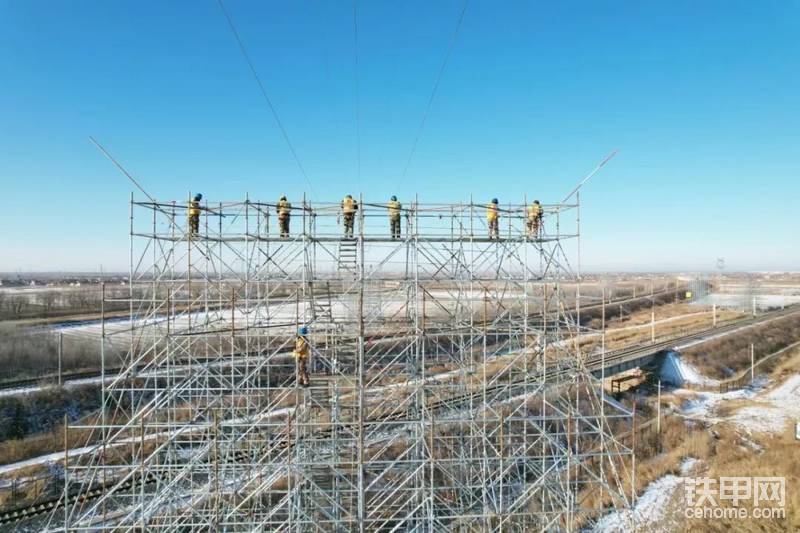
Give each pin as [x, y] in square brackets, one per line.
[121, 168]
[265, 95]
[452, 44]
[588, 176]
[358, 96]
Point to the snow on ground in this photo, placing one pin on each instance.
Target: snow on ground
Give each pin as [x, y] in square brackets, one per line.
[780, 406]
[70, 383]
[745, 301]
[703, 405]
[44, 459]
[678, 372]
[776, 407]
[651, 507]
[688, 465]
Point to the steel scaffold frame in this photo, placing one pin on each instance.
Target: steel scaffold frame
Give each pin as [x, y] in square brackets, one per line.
[448, 391]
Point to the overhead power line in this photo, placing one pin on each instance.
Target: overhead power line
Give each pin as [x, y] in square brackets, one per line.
[358, 96]
[588, 176]
[264, 94]
[447, 55]
[121, 168]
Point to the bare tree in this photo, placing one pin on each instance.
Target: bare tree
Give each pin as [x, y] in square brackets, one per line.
[49, 300]
[17, 304]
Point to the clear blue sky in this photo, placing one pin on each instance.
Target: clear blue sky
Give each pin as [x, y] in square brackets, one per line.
[701, 98]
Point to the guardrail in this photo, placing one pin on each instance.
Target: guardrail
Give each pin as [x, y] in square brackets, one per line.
[746, 376]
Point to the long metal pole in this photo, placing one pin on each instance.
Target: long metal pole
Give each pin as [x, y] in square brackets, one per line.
[361, 381]
[633, 454]
[578, 287]
[658, 409]
[103, 422]
[652, 314]
[66, 473]
[602, 383]
[60, 357]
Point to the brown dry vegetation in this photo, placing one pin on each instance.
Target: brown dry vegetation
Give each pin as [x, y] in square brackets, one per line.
[676, 320]
[14, 450]
[780, 458]
[671, 310]
[725, 451]
[721, 357]
[28, 414]
[722, 453]
[60, 301]
[26, 353]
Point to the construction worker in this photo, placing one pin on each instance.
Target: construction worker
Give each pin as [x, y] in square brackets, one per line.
[349, 208]
[493, 218]
[394, 217]
[534, 218]
[194, 214]
[284, 213]
[301, 351]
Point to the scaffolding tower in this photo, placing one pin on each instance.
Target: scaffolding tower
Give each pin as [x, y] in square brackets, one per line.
[448, 389]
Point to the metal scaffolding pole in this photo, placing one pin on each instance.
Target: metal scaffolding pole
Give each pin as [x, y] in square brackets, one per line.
[448, 390]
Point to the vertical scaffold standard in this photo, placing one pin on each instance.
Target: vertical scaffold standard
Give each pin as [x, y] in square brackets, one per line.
[448, 390]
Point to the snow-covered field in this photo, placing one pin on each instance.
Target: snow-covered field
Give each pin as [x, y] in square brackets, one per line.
[780, 406]
[777, 406]
[745, 301]
[703, 405]
[651, 509]
[774, 407]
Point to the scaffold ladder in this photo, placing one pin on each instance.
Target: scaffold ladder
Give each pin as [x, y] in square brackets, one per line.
[348, 251]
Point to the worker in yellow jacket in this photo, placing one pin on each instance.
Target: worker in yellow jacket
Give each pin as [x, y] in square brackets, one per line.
[534, 218]
[194, 214]
[349, 208]
[284, 214]
[493, 219]
[301, 353]
[394, 217]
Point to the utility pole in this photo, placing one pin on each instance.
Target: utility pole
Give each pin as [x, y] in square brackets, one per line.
[652, 314]
[658, 409]
[60, 357]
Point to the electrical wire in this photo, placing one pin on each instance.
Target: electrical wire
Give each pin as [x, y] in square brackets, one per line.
[588, 176]
[452, 44]
[265, 95]
[122, 169]
[358, 96]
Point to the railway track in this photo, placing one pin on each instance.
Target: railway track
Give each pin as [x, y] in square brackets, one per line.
[504, 390]
[48, 380]
[635, 353]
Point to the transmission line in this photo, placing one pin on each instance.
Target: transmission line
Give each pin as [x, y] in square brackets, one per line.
[452, 44]
[265, 95]
[358, 96]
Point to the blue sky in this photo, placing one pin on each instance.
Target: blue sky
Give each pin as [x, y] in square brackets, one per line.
[701, 99]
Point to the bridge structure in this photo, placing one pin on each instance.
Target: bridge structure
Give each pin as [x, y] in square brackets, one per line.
[448, 389]
[650, 356]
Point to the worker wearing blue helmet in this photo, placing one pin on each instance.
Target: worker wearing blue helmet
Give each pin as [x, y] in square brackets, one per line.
[493, 219]
[194, 214]
[301, 353]
[394, 217]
